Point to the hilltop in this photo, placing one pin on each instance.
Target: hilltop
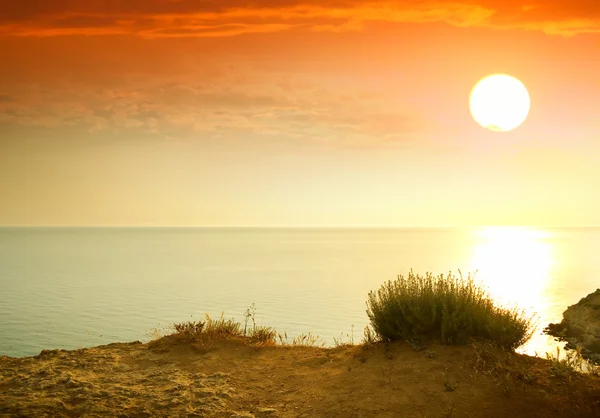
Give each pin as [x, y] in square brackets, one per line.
[234, 377]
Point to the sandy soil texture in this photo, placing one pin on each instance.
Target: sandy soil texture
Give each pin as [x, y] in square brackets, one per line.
[231, 378]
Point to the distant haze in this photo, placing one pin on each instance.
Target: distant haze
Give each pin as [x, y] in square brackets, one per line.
[289, 113]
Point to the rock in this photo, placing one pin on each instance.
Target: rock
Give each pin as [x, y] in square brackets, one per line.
[266, 412]
[47, 354]
[241, 414]
[581, 327]
[71, 383]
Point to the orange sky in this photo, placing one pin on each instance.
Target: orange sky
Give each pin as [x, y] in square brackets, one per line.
[289, 112]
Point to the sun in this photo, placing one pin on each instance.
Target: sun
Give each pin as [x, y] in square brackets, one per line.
[499, 102]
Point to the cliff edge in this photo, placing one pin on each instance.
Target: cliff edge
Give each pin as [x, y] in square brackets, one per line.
[581, 327]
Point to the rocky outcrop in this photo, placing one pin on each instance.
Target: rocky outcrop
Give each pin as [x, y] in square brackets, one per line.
[581, 327]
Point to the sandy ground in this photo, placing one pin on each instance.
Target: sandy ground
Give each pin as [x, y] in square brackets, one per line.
[230, 378]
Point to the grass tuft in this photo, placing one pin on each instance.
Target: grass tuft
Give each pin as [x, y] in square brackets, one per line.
[263, 335]
[208, 328]
[572, 362]
[342, 342]
[222, 327]
[189, 330]
[369, 336]
[213, 329]
[447, 309]
[305, 340]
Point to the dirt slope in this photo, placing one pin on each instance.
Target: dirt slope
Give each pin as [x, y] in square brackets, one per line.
[229, 378]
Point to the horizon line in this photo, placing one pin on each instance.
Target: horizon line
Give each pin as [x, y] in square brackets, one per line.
[295, 226]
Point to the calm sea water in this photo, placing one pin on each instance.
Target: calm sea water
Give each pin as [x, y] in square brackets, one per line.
[80, 287]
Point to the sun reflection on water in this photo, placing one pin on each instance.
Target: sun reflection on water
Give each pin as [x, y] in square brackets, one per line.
[515, 264]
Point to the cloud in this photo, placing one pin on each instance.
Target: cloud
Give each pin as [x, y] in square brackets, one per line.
[211, 111]
[191, 18]
[4, 98]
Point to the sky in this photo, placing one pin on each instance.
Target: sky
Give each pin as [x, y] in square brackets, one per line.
[295, 113]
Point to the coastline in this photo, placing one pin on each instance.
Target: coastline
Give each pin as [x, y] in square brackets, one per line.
[580, 327]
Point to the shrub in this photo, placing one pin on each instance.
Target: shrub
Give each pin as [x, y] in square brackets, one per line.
[189, 330]
[222, 326]
[209, 327]
[263, 335]
[448, 309]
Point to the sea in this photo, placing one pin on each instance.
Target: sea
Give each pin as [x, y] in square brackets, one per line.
[73, 288]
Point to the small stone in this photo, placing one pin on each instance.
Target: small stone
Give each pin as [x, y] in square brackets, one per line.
[266, 412]
[242, 414]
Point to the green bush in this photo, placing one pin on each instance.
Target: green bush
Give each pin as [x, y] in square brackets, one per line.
[447, 309]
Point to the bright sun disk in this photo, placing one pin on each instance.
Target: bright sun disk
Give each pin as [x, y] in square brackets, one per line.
[499, 102]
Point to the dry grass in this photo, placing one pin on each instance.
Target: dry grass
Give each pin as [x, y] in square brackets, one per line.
[500, 364]
[571, 361]
[209, 329]
[493, 356]
[232, 370]
[414, 309]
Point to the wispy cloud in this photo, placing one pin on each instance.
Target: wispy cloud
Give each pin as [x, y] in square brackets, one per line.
[209, 111]
[188, 18]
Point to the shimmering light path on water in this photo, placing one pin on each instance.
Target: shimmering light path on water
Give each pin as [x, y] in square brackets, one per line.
[72, 288]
